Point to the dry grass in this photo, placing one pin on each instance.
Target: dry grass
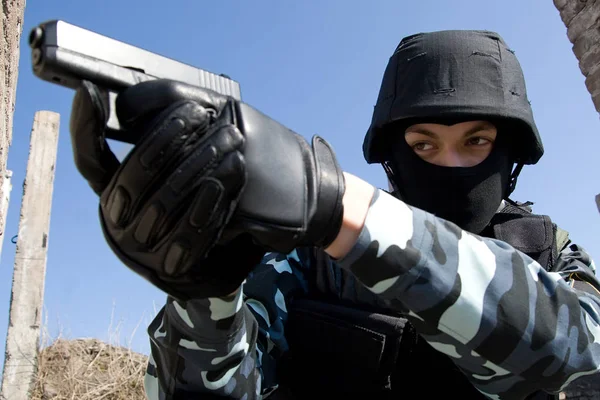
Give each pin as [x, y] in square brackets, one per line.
[86, 369]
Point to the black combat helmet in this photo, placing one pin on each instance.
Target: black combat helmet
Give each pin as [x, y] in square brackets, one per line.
[455, 74]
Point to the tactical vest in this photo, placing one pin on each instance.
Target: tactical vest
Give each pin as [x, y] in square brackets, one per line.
[356, 349]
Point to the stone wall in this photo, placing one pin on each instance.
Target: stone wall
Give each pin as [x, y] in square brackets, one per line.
[582, 20]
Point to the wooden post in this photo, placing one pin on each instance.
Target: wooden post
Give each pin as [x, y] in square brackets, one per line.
[5, 191]
[22, 341]
[11, 27]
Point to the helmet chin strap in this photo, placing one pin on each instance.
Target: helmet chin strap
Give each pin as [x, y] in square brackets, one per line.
[513, 178]
[393, 189]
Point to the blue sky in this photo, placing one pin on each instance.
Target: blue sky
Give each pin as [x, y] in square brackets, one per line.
[316, 67]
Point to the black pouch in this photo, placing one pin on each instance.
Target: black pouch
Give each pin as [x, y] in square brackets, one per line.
[334, 349]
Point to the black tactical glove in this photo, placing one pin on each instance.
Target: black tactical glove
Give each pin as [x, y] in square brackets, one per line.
[293, 194]
[164, 208]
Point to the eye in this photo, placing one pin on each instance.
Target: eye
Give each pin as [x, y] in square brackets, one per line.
[421, 146]
[478, 141]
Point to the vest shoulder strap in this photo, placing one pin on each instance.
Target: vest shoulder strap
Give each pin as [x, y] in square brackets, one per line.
[533, 234]
[561, 236]
[562, 239]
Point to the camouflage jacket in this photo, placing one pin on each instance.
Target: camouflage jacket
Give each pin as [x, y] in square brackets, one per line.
[409, 261]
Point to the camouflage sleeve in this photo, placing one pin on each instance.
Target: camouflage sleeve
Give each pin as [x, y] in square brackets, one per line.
[225, 347]
[203, 346]
[512, 327]
[269, 290]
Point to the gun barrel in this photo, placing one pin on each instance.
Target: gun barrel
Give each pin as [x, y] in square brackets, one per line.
[66, 54]
[57, 43]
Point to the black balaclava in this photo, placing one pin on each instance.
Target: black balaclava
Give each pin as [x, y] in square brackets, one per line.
[467, 196]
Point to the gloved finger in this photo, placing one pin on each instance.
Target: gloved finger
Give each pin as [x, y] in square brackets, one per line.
[214, 202]
[220, 151]
[169, 202]
[142, 101]
[209, 153]
[150, 163]
[93, 156]
[200, 227]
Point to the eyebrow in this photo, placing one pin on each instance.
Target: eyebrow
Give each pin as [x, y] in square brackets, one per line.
[434, 135]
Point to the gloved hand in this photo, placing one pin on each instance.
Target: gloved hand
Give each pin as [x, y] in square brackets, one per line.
[163, 210]
[293, 194]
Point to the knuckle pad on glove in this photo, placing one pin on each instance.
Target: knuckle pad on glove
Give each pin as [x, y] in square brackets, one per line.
[157, 148]
[173, 131]
[188, 245]
[198, 163]
[206, 203]
[148, 222]
[117, 206]
[175, 259]
[214, 153]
